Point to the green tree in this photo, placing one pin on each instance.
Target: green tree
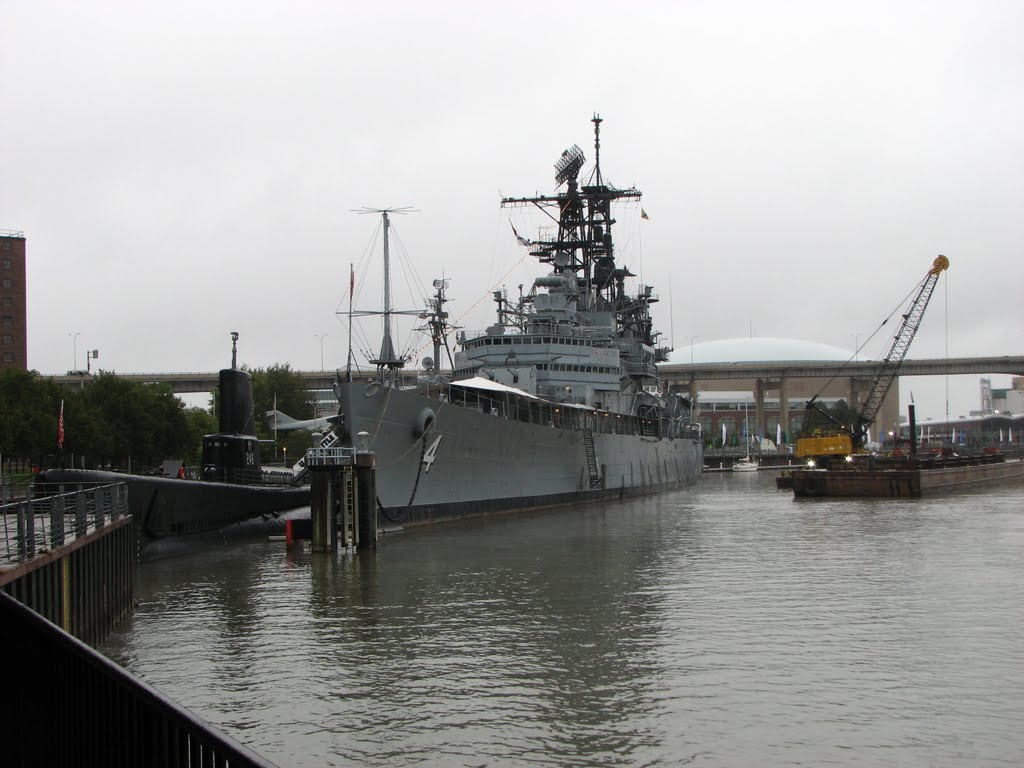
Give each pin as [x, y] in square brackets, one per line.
[29, 409]
[137, 423]
[291, 393]
[200, 422]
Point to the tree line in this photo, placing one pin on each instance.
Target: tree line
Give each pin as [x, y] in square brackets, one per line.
[113, 422]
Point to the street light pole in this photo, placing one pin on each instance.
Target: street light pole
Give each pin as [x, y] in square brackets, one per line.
[321, 335]
[74, 347]
[691, 348]
[856, 347]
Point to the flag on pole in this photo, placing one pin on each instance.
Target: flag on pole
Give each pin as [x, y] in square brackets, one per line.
[519, 238]
[778, 434]
[351, 281]
[643, 215]
[60, 426]
[723, 434]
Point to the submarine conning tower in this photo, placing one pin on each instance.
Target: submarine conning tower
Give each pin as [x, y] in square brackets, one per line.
[233, 454]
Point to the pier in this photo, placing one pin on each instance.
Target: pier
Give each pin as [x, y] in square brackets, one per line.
[69, 554]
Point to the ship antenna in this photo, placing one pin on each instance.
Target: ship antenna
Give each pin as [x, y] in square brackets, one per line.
[596, 120]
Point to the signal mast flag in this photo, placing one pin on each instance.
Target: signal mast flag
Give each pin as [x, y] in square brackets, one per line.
[60, 426]
[643, 215]
[521, 240]
[351, 281]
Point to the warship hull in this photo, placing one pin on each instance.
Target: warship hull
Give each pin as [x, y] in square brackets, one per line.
[439, 461]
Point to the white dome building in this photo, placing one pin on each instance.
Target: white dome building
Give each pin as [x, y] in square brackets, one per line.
[758, 349]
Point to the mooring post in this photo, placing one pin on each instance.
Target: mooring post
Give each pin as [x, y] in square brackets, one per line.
[366, 500]
[325, 531]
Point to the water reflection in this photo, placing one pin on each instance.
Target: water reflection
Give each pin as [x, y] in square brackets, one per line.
[729, 625]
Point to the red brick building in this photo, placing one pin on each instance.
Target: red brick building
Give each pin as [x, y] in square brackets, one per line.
[13, 301]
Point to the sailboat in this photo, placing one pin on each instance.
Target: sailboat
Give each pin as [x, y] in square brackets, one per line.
[746, 464]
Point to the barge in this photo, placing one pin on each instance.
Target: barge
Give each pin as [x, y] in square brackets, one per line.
[910, 478]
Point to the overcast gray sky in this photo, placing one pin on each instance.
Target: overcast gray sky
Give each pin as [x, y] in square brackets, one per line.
[186, 169]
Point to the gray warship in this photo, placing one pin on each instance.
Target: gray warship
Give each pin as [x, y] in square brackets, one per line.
[556, 402]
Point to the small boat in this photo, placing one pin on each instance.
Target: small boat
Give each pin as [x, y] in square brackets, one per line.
[746, 464]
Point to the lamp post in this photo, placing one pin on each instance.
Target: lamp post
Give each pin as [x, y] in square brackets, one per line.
[322, 336]
[74, 348]
[691, 348]
[856, 347]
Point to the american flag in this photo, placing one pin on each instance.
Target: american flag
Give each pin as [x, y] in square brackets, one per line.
[60, 426]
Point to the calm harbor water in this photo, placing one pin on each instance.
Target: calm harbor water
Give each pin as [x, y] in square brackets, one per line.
[727, 625]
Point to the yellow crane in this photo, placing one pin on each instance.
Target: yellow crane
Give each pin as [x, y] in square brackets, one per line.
[843, 440]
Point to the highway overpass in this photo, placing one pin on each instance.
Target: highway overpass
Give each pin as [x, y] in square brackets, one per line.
[677, 374]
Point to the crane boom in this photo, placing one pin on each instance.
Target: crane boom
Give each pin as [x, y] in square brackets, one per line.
[850, 438]
[886, 373]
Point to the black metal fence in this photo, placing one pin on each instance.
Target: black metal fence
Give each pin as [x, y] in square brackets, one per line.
[67, 705]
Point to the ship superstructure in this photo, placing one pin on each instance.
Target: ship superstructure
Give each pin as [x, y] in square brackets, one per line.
[577, 337]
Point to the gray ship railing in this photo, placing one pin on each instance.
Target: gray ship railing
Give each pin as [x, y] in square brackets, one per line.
[51, 515]
[76, 707]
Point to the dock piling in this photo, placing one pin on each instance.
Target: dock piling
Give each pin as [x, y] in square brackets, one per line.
[343, 498]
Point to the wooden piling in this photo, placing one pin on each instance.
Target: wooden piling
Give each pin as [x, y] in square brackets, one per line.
[366, 500]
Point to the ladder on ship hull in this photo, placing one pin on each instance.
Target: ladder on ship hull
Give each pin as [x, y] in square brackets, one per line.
[592, 468]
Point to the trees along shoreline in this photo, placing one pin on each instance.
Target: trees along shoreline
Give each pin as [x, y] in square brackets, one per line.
[114, 422]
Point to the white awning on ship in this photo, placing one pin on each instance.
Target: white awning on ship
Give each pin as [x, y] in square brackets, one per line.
[479, 382]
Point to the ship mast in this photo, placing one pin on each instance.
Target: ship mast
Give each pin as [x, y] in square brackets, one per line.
[387, 359]
[583, 244]
[437, 323]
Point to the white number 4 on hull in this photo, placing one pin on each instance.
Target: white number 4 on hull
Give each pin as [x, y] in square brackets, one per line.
[431, 453]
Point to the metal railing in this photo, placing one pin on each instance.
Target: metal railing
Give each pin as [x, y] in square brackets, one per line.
[47, 517]
[79, 708]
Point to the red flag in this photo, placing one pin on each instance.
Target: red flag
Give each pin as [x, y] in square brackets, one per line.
[60, 426]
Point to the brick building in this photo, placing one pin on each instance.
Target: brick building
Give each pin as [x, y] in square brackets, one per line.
[13, 301]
